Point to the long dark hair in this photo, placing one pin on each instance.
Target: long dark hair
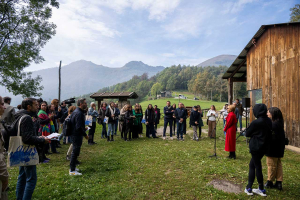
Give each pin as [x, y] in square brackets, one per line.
[148, 108]
[276, 115]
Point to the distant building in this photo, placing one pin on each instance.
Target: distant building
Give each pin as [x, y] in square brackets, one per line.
[181, 96]
[165, 94]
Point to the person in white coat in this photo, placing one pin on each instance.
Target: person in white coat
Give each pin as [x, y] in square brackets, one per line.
[212, 116]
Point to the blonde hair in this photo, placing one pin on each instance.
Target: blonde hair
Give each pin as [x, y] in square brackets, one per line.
[54, 102]
[71, 109]
[231, 108]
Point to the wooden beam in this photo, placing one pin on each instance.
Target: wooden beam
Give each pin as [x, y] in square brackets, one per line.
[230, 91]
[237, 65]
[242, 57]
[243, 79]
[237, 69]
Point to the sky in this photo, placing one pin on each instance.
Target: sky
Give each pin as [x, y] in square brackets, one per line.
[156, 32]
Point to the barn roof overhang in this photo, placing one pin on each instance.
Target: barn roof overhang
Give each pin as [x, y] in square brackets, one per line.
[238, 69]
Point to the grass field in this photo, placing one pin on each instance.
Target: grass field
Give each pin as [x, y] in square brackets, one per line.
[154, 169]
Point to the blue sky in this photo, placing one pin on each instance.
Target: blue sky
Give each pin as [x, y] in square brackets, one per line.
[157, 32]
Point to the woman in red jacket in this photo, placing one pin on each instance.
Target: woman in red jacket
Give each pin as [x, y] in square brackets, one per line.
[230, 129]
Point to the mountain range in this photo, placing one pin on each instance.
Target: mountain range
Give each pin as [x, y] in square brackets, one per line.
[225, 60]
[83, 77]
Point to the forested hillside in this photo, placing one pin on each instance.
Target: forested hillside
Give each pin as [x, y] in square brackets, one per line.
[205, 83]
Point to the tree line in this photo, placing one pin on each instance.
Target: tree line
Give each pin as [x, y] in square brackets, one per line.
[205, 83]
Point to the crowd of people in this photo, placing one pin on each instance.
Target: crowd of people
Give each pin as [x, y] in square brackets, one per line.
[39, 120]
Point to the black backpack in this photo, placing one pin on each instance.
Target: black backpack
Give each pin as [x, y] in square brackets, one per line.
[68, 126]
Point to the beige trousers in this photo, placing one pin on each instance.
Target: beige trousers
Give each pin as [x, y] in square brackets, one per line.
[274, 169]
[211, 128]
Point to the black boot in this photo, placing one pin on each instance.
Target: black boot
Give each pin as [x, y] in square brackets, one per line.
[108, 139]
[112, 138]
[230, 155]
[233, 155]
[278, 185]
[269, 184]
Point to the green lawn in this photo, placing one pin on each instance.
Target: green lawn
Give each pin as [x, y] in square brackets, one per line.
[154, 169]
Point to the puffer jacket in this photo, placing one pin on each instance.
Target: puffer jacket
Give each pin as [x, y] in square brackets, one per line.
[260, 130]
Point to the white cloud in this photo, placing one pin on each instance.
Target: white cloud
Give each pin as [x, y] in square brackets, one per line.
[158, 9]
[236, 6]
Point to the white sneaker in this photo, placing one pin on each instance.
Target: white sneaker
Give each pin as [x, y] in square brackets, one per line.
[171, 138]
[248, 191]
[164, 138]
[74, 173]
[260, 192]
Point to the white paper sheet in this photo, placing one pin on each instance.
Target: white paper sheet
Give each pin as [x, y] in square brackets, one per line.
[53, 135]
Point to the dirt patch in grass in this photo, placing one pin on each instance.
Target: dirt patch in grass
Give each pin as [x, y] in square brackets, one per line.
[226, 186]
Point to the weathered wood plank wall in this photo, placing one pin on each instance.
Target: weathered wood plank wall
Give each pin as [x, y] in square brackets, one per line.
[274, 66]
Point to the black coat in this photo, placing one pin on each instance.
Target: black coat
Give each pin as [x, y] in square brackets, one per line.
[260, 130]
[28, 129]
[128, 117]
[180, 113]
[277, 141]
[78, 123]
[194, 117]
[168, 112]
[157, 116]
[150, 116]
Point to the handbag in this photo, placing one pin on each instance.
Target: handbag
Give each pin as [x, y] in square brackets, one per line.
[20, 154]
[105, 120]
[88, 120]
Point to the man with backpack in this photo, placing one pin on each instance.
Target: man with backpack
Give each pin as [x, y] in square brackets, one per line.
[27, 174]
[77, 120]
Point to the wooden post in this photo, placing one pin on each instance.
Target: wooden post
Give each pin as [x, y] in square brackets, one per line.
[59, 81]
[230, 91]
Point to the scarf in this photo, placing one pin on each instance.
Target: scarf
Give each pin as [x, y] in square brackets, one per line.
[46, 129]
[112, 112]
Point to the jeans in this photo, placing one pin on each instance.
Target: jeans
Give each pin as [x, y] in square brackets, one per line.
[179, 130]
[111, 129]
[166, 122]
[224, 123]
[26, 182]
[255, 168]
[103, 134]
[195, 132]
[241, 122]
[116, 127]
[77, 142]
[184, 126]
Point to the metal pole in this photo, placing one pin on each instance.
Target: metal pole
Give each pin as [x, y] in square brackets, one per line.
[59, 81]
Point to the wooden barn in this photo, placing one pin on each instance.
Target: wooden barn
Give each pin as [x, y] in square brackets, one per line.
[270, 64]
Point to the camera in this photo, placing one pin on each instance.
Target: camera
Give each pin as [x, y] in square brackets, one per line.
[69, 101]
